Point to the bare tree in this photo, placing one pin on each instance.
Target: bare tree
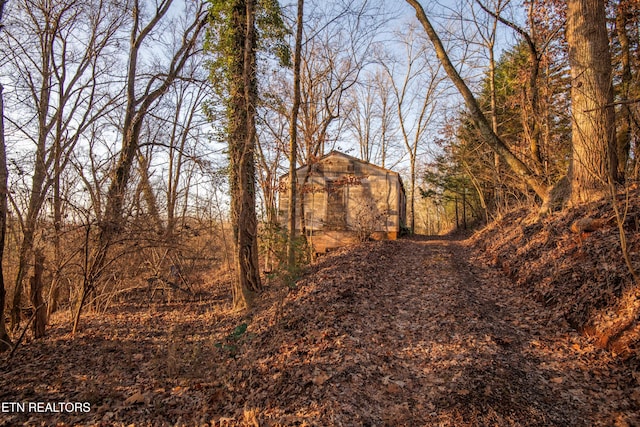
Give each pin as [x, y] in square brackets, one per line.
[139, 102]
[187, 99]
[273, 139]
[5, 341]
[372, 117]
[62, 80]
[293, 143]
[361, 118]
[416, 84]
[338, 46]
[386, 134]
[143, 87]
[534, 181]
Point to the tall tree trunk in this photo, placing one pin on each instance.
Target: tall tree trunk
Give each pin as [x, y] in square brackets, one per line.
[242, 140]
[5, 341]
[593, 162]
[480, 120]
[624, 115]
[412, 192]
[38, 190]
[148, 194]
[40, 311]
[293, 142]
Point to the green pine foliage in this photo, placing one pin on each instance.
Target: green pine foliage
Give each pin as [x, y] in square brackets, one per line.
[468, 166]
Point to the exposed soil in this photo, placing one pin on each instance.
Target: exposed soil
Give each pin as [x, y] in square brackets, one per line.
[396, 333]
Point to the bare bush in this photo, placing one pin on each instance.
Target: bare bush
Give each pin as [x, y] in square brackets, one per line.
[367, 218]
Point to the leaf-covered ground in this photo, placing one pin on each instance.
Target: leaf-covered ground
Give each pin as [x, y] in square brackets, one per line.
[395, 333]
[578, 277]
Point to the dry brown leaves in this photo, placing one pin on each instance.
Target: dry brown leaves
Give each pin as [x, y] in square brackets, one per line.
[397, 333]
[579, 277]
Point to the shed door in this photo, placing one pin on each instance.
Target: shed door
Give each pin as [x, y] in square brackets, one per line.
[336, 218]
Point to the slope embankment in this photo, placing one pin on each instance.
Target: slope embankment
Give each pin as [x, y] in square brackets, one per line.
[573, 263]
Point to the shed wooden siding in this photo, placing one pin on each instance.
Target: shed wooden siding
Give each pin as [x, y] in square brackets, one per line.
[337, 191]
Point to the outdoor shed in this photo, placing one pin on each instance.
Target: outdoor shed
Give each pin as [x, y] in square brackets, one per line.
[344, 199]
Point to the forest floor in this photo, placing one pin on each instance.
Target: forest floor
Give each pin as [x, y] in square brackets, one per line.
[414, 332]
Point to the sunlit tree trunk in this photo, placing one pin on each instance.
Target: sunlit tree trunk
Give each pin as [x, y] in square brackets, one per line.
[533, 180]
[624, 115]
[5, 342]
[593, 123]
[293, 143]
[242, 140]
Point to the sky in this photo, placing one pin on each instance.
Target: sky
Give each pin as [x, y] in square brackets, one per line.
[399, 17]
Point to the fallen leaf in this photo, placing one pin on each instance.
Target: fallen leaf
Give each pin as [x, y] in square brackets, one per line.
[393, 388]
[320, 378]
[134, 399]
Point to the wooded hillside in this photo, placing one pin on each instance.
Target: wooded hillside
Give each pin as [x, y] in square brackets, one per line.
[144, 270]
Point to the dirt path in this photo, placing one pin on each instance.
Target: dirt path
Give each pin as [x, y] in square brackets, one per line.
[397, 333]
[414, 336]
